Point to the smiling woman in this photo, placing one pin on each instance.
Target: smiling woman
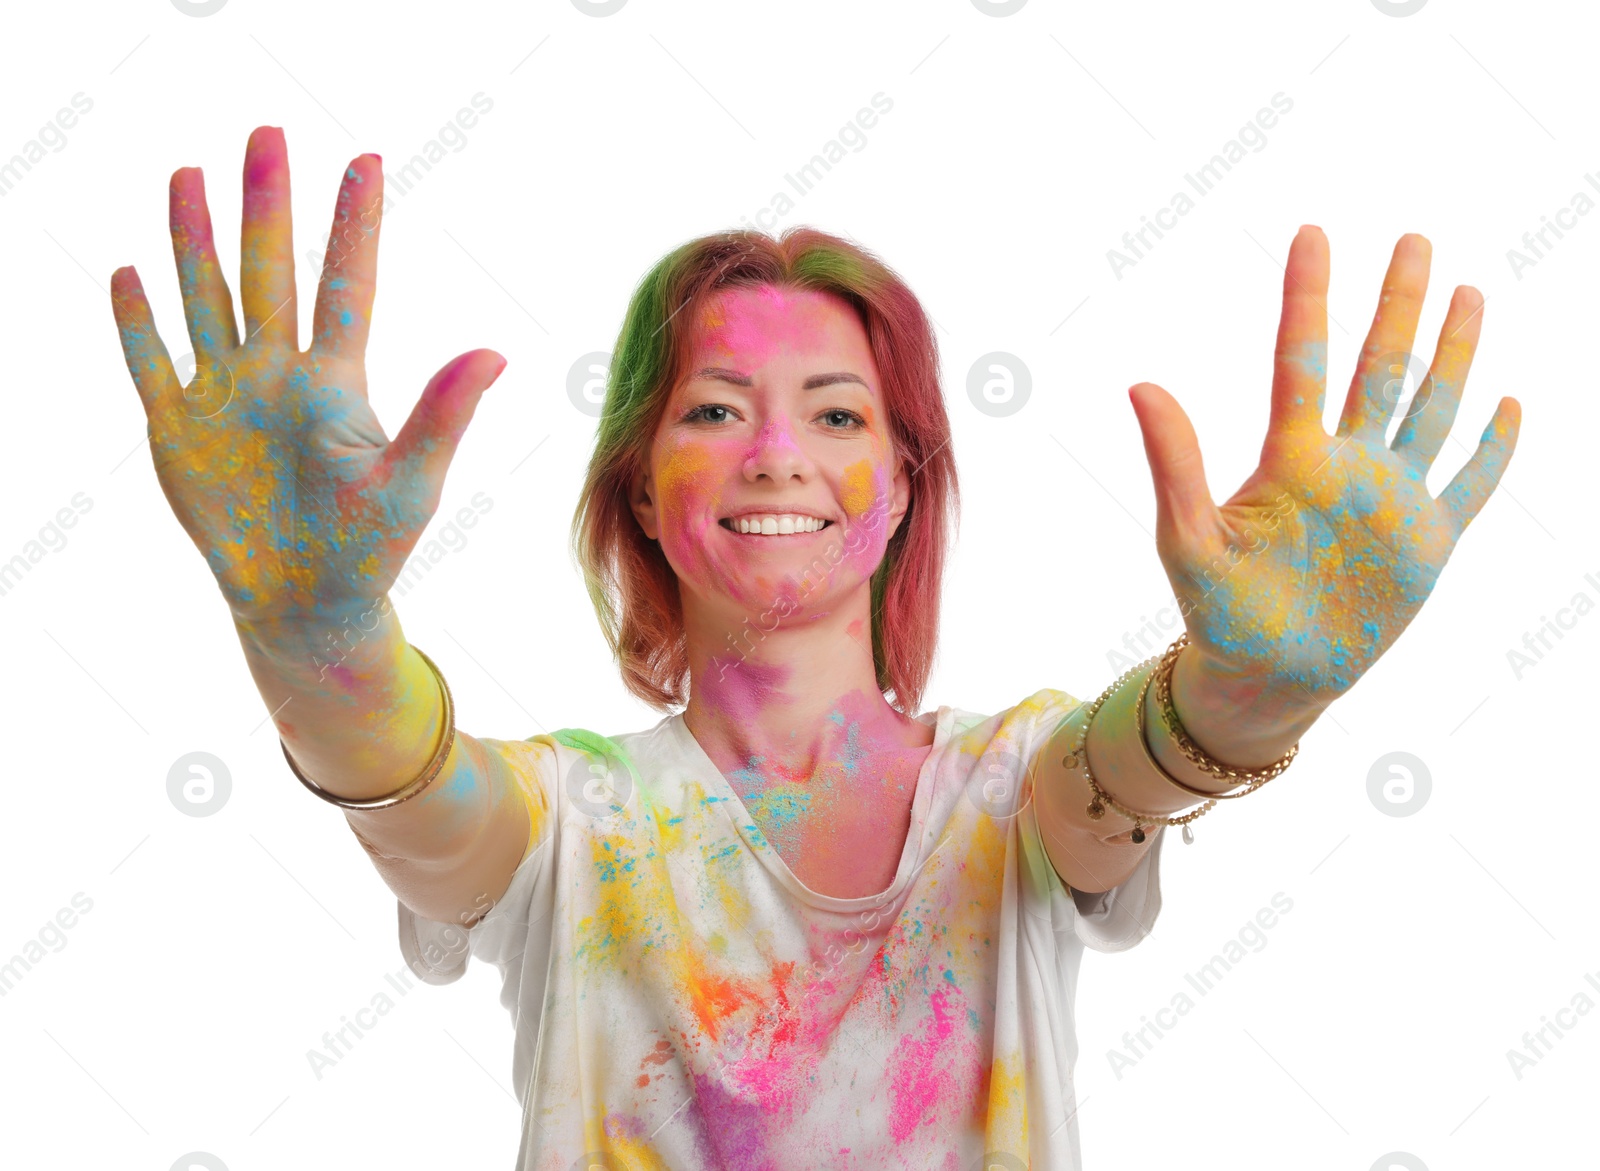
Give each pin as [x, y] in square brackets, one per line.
[798, 922]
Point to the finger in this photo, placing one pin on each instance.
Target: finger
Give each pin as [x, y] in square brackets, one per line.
[207, 304]
[266, 244]
[349, 280]
[1380, 371]
[1183, 501]
[1433, 408]
[1300, 362]
[420, 455]
[142, 347]
[1467, 493]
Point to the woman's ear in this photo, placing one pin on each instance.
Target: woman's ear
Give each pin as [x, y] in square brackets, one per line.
[641, 498]
[900, 498]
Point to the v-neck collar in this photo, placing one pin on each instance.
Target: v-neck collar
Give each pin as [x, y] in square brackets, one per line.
[739, 815]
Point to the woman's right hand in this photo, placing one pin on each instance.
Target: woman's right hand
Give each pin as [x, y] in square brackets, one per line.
[272, 458]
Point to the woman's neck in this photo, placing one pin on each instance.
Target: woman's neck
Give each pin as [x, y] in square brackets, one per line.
[794, 702]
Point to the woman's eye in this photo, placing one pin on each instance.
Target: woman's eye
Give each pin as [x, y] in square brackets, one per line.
[704, 411]
[840, 419]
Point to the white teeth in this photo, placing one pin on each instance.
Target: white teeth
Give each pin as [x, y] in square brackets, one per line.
[778, 523]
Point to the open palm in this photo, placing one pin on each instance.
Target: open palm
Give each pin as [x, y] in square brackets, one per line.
[272, 458]
[1312, 569]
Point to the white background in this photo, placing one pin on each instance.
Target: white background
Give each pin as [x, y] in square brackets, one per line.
[178, 1013]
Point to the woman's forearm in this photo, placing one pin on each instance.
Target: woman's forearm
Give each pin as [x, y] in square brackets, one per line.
[359, 710]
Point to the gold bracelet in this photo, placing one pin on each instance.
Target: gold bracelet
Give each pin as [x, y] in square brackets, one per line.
[1196, 755]
[1144, 744]
[410, 790]
[1155, 764]
[1078, 757]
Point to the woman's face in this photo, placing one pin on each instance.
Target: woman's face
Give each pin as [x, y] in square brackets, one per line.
[779, 425]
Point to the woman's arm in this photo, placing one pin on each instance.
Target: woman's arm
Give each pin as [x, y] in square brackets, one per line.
[276, 466]
[1295, 586]
[371, 725]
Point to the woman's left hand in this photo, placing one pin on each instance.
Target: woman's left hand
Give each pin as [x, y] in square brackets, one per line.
[1295, 585]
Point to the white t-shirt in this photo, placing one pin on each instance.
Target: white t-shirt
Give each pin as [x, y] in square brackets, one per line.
[681, 1000]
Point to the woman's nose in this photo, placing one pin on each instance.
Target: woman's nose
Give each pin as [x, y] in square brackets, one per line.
[777, 453]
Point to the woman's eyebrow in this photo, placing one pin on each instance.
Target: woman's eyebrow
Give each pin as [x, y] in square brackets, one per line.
[811, 383]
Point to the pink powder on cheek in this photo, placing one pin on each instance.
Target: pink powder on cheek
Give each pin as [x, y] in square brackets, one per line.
[688, 497]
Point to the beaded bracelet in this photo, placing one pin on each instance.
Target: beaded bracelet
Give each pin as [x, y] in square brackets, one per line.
[1078, 757]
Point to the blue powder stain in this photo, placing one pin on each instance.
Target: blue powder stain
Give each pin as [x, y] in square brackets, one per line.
[950, 976]
[344, 318]
[338, 283]
[461, 784]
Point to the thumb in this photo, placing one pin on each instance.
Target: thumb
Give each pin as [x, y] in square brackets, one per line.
[1183, 501]
[421, 453]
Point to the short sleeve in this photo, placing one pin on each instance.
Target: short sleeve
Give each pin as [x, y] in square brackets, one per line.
[506, 935]
[1107, 921]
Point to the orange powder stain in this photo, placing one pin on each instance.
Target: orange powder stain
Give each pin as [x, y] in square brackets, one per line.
[856, 488]
[682, 466]
[713, 998]
[712, 319]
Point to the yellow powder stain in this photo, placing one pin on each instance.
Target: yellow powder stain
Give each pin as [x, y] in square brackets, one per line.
[634, 1153]
[370, 564]
[627, 914]
[856, 489]
[668, 835]
[986, 848]
[1006, 1127]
